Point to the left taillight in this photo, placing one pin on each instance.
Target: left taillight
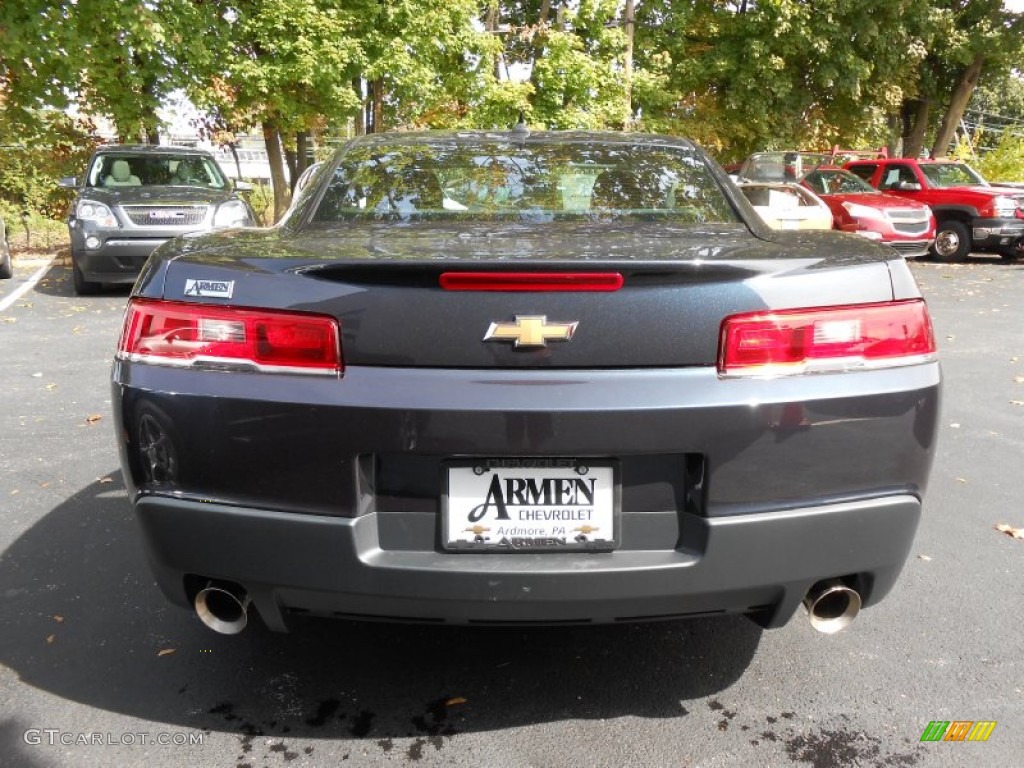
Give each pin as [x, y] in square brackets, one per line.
[827, 339]
[182, 334]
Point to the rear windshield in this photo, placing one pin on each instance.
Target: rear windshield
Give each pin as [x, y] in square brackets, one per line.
[123, 169]
[441, 180]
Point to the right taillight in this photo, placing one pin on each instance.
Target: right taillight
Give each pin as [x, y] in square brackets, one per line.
[184, 334]
[826, 339]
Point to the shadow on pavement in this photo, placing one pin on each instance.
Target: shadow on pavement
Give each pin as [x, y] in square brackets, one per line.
[82, 619]
[57, 282]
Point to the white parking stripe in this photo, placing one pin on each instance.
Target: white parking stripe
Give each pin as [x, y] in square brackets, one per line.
[28, 286]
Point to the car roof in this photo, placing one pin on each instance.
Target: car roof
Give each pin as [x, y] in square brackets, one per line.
[149, 149]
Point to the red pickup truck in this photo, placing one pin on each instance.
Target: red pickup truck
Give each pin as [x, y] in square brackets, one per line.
[971, 214]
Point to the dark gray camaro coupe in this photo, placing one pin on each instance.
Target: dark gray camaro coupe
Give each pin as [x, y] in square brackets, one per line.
[502, 378]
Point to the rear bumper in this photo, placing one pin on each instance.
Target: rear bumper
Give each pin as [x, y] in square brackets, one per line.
[760, 564]
[321, 494]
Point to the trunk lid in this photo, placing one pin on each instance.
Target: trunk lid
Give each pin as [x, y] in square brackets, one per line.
[383, 284]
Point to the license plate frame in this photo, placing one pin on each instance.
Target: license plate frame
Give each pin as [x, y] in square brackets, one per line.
[578, 513]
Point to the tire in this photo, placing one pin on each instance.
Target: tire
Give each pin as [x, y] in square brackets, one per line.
[1013, 252]
[6, 271]
[952, 242]
[83, 287]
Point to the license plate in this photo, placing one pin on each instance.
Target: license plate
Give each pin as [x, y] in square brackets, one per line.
[530, 505]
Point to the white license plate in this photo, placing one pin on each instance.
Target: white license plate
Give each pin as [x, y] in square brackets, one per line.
[532, 505]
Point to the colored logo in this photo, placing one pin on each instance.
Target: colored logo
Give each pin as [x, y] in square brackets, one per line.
[958, 730]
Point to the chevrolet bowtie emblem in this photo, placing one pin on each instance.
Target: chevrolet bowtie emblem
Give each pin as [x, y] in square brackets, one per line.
[530, 331]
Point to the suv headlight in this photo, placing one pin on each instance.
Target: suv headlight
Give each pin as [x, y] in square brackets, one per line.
[233, 213]
[90, 210]
[858, 211]
[1005, 206]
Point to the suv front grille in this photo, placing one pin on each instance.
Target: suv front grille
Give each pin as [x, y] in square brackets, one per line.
[911, 229]
[166, 215]
[915, 215]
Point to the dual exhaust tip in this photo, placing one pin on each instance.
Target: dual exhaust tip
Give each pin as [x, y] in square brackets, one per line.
[832, 606]
[224, 607]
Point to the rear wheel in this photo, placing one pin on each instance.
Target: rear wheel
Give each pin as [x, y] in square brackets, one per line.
[952, 241]
[83, 287]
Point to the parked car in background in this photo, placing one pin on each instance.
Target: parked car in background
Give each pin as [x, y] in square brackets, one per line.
[970, 213]
[525, 377]
[6, 269]
[856, 207]
[135, 198]
[786, 205]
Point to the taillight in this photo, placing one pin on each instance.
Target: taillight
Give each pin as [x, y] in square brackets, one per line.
[827, 339]
[229, 338]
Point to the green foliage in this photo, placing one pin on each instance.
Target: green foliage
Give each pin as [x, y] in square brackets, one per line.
[1005, 162]
[737, 75]
[261, 198]
[35, 152]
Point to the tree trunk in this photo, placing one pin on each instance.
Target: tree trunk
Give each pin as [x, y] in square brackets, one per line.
[915, 124]
[359, 124]
[957, 104]
[282, 195]
[291, 163]
[628, 19]
[491, 25]
[233, 146]
[301, 152]
[376, 106]
[894, 143]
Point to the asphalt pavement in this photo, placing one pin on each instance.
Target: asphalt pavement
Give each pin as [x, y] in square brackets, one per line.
[96, 669]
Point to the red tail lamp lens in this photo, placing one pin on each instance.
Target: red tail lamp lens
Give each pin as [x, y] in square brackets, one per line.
[184, 334]
[827, 339]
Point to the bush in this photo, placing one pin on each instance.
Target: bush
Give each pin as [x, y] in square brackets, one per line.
[33, 231]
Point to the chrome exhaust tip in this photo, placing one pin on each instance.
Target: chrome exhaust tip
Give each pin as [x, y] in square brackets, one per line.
[831, 606]
[223, 607]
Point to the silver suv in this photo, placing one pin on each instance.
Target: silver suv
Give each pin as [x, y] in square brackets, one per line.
[134, 198]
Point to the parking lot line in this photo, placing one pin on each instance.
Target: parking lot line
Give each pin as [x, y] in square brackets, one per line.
[28, 286]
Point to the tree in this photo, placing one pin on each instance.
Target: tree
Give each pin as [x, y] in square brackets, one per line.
[282, 65]
[113, 58]
[964, 38]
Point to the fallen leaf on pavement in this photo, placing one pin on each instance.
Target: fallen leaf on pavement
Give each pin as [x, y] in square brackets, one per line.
[50, 640]
[454, 701]
[1018, 379]
[1009, 530]
[93, 418]
[166, 652]
[925, 558]
[59, 619]
[102, 480]
[1017, 402]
